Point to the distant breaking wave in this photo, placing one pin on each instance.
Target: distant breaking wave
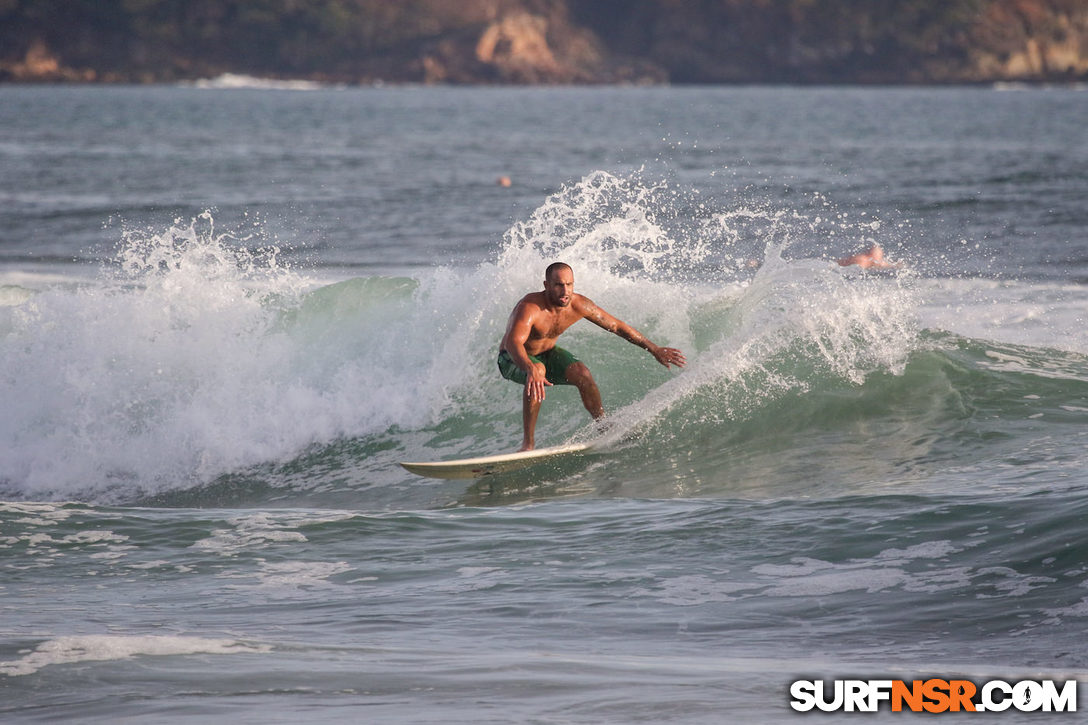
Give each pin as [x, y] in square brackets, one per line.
[237, 80]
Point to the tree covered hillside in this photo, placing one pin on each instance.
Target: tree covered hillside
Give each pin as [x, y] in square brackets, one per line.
[546, 41]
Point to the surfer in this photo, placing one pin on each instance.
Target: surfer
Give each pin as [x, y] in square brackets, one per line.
[529, 356]
[872, 258]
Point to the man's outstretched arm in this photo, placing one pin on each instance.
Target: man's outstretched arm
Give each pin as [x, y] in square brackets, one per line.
[665, 355]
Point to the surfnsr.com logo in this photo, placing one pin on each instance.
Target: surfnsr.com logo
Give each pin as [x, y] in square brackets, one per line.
[934, 695]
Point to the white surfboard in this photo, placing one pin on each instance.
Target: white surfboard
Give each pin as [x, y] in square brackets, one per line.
[490, 465]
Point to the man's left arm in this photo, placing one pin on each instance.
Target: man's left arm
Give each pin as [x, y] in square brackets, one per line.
[665, 355]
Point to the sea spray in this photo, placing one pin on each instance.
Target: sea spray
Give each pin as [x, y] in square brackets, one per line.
[610, 225]
[139, 377]
[174, 367]
[755, 323]
[797, 326]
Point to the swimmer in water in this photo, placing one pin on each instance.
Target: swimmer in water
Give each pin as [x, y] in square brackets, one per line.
[872, 258]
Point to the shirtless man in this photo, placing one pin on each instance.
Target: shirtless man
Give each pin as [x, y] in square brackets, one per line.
[529, 356]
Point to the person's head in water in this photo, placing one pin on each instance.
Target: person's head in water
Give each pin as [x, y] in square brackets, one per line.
[872, 258]
[559, 284]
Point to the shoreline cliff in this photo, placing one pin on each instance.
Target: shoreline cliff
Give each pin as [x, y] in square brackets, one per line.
[547, 41]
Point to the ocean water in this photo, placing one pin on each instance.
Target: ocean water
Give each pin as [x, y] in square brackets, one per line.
[227, 313]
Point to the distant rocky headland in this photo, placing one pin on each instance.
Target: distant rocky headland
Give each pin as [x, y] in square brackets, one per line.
[546, 41]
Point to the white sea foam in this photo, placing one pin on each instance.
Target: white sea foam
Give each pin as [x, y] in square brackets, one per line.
[249, 533]
[89, 648]
[925, 550]
[891, 569]
[1037, 314]
[1080, 609]
[282, 580]
[38, 513]
[839, 580]
[252, 532]
[695, 589]
[44, 544]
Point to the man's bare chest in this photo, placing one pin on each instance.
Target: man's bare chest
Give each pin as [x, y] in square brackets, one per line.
[550, 326]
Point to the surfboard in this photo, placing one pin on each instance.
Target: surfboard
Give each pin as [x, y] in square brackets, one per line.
[490, 465]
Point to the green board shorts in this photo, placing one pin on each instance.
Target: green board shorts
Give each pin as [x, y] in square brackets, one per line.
[556, 361]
